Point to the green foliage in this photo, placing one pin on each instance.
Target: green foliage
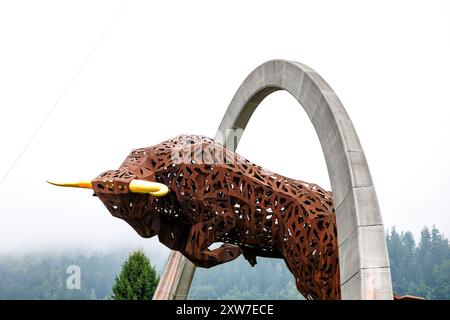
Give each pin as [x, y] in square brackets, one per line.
[237, 280]
[422, 270]
[137, 280]
[44, 276]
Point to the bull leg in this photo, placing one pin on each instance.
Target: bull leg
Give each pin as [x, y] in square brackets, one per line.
[204, 234]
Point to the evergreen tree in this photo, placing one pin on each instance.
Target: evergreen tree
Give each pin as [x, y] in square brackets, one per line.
[137, 279]
[424, 257]
[439, 247]
[395, 247]
[423, 270]
[442, 288]
[408, 262]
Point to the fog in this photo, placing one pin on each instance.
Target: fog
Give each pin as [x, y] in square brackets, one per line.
[82, 83]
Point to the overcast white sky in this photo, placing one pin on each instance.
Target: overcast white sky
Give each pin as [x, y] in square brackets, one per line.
[170, 67]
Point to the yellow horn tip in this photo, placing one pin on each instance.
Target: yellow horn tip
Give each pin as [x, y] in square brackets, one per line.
[154, 188]
[78, 184]
[162, 192]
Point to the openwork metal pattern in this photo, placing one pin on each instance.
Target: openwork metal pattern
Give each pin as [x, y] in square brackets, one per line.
[218, 196]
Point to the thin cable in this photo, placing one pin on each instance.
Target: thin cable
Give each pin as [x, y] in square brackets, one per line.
[72, 80]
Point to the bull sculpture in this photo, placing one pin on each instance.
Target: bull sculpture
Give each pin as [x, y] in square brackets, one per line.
[192, 192]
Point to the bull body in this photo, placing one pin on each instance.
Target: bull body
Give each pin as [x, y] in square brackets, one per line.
[218, 196]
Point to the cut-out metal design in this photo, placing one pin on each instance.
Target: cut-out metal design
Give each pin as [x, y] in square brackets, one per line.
[218, 196]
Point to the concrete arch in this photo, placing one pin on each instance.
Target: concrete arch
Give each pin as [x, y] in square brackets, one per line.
[364, 263]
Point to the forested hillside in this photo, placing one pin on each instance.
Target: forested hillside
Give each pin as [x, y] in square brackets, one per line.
[421, 269]
[44, 277]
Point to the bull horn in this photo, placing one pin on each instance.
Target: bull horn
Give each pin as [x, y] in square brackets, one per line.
[79, 184]
[136, 186]
[154, 188]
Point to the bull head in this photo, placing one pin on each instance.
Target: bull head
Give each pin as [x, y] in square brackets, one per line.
[137, 193]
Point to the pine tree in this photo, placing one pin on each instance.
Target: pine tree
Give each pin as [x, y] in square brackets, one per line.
[395, 249]
[423, 257]
[137, 279]
[408, 263]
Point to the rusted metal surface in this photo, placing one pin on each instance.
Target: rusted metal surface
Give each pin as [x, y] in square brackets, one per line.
[218, 196]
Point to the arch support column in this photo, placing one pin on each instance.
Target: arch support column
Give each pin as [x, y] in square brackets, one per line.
[176, 278]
